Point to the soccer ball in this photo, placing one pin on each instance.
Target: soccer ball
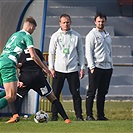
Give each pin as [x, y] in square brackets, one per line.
[41, 117]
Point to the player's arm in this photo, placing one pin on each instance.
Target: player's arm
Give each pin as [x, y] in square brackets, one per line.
[19, 65]
[36, 58]
[20, 84]
[45, 64]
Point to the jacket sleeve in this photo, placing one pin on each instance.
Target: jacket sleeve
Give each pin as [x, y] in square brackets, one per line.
[89, 50]
[81, 53]
[52, 49]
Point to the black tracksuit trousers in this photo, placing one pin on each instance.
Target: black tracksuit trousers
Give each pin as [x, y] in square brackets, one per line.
[74, 87]
[98, 85]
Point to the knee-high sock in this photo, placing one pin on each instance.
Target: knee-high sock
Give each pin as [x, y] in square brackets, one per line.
[3, 103]
[60, 109]
[2, 94]
[13, 108]
[16, 105]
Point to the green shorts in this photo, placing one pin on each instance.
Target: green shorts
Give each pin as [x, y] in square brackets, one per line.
[7, 70]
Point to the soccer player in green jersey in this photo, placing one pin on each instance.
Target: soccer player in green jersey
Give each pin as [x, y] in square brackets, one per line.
[9, 56]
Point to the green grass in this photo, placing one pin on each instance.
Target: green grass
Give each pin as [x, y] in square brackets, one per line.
[119, 113]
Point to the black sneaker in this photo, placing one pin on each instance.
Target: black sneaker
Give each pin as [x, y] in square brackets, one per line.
[54, 119]
[102, 119]
[80, 119]
[90, 118]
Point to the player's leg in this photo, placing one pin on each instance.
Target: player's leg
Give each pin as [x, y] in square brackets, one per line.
[9, 79]
[27, 77]
[2, 93]
[46, 91]
[17, 104]
[74, 86]
[11, 89]
[15, 117]
[20, 97]
[51, 97]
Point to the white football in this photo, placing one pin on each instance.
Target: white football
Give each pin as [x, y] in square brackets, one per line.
[41, 117]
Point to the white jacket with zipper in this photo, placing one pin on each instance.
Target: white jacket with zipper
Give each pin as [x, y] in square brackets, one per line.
[98, 49]
[60, 61]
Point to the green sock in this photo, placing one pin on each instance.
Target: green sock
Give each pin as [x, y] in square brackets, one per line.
[3, 103]
[2, 94]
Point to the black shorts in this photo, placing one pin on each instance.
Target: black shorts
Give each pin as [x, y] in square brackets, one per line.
[35, 80]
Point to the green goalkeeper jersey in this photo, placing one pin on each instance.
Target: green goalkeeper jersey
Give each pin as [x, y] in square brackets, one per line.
[16, 44]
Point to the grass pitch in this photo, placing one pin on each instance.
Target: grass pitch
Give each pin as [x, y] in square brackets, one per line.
[120, 114]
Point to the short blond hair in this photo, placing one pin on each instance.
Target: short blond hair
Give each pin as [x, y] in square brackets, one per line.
[30, 20]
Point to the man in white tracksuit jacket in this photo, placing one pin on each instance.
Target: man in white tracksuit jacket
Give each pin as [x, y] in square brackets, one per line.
[66, 58]
[98, 52]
